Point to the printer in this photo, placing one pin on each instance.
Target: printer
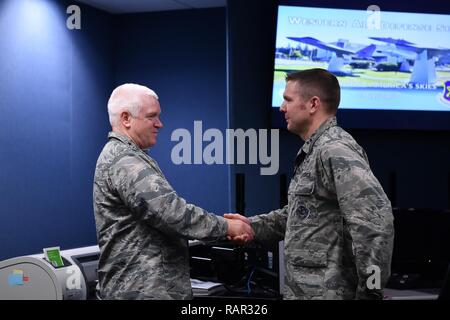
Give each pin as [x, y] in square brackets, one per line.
[33, 277]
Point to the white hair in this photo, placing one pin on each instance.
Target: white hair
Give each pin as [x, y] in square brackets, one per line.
[127, 97]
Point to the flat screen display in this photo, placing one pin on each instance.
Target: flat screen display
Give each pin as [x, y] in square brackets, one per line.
[385, 61]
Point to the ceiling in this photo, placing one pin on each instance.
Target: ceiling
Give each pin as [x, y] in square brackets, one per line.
[132, 6]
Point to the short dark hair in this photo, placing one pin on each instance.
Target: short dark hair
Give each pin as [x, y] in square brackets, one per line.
[321, 83]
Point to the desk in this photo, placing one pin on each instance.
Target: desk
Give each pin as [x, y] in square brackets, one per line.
[239, 294]
[418, 294]
[390, 294]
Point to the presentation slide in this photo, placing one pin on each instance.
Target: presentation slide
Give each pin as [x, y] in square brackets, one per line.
[383, 60]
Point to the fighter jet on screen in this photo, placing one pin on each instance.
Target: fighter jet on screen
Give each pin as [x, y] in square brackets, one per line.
[424, 69]
[337, 61]
[402, 51]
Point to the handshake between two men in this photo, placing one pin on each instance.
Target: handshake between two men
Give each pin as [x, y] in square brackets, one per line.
[239, 228]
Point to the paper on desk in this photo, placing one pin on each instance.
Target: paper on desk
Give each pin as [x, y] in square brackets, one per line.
[199, 284]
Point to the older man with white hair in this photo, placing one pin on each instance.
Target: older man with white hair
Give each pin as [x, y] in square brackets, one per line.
[143, 226]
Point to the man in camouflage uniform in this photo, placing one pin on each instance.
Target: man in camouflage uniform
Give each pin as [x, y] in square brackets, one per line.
[142, 225]
[338, 224]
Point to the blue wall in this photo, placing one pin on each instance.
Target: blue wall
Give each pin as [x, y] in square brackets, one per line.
[182, 56]
[53, 86]
[251, 36]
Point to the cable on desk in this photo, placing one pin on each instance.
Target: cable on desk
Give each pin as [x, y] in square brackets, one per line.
[249, 289]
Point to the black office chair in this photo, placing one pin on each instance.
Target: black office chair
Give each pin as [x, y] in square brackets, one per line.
[444, 294]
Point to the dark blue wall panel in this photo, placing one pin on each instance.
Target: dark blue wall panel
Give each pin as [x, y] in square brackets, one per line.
[251, 39]
[53, 86]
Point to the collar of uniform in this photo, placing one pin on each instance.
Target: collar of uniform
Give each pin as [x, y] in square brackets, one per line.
[123, 138]
[331, 122]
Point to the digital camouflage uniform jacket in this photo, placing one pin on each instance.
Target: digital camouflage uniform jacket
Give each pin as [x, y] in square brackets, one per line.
[143, 226]
[338, 222]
